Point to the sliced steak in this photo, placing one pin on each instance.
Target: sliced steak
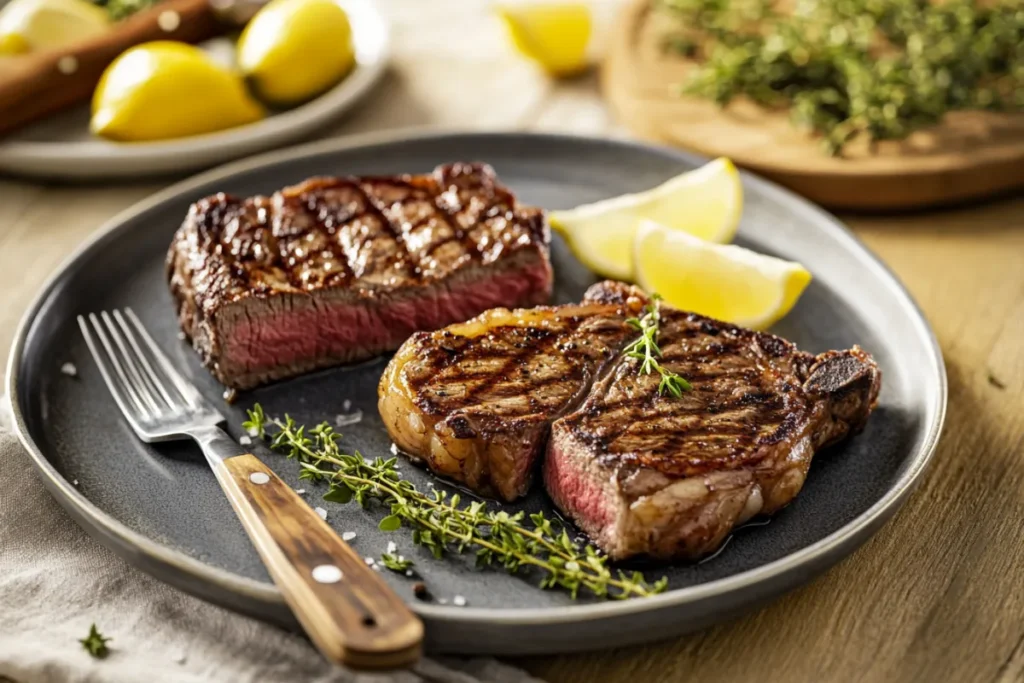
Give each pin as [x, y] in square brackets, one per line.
[475, 401]
[336, 270]
[665, 477]
[642, 474]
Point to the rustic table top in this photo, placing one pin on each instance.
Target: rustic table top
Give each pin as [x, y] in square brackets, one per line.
[938, 594]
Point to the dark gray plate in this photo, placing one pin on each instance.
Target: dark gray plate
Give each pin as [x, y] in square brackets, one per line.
[162, 510]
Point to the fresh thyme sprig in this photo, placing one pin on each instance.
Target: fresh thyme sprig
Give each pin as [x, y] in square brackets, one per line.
[438, 521]
[847, 69]
[95, 643]
[646, 350]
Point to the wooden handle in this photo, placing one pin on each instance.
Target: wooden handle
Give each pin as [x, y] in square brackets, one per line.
[38, 84]
[346, 608]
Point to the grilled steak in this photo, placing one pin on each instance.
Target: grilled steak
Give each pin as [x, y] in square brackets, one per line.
[671, 477]
[642, 474]
[336, 270]
[475, 401]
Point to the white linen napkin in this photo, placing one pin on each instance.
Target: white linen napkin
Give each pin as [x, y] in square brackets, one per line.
[55, 582]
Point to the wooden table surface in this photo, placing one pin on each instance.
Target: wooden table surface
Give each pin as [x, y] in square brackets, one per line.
[937, 595]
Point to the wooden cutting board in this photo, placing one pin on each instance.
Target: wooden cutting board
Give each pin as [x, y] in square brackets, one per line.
[969, 156]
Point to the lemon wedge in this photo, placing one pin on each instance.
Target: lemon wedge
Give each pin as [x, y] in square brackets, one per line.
[13, 44]
[165, 89]
[720, 281]
[706, 203]
[27, 25]
[293, 50]
[553, 34]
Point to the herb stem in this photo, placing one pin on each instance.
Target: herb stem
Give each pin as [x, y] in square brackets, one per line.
[646, 350]
[438, 521]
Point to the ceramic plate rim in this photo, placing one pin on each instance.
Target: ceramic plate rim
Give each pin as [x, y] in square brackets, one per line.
[876, 514]
[338, 98]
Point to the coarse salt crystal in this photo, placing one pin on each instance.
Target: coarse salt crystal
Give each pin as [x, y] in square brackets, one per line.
[459, 601]
[323, 513]
[442, 601]
[300, 491]
[346, 405]
[369, 560]
[245, 441]
[350, 419]
[252, 432]
[376, 567]
[348, 535]
[408, 572]
[392, 547]
[69, 369]
[74, 482]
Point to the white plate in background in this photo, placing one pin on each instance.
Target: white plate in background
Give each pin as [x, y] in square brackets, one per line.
[61, 147]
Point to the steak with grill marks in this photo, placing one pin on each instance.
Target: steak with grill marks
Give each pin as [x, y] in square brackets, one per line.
[336, 270]
[475, 401]
[642, 474]
[664, 477]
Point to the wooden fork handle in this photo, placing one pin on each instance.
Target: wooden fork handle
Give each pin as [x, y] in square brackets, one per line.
[36, 85]
[346, 608]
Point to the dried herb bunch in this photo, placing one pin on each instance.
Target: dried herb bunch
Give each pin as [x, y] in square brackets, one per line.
[880, 69]
[441, 523]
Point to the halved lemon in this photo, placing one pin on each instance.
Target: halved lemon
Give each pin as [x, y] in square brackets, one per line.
[720, 281]
[553, 34]
[27, 25]
[293, 50]
[166, 89]
[706, 203]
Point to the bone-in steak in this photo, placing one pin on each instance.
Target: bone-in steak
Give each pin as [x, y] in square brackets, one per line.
[642, 474]
[340, 269]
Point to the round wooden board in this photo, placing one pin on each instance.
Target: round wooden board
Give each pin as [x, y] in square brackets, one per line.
[971, 155]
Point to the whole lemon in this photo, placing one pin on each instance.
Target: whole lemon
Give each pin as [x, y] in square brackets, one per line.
[293, 50]
[165, 89]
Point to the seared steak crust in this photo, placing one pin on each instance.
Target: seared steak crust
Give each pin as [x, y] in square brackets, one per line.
[667, 477]
[475, 401]
[640, 473]
[339, 269]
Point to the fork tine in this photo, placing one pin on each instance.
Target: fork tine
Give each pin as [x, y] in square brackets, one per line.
[154, 380]
[185, 388]
[121, 392]
[130, 363]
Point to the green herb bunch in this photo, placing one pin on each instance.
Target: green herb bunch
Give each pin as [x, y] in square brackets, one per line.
[119, 9]
[878, 69]
[646, 350]
[441, 523]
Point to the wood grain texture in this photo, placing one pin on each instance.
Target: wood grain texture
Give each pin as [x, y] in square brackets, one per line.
[970, 155]
[345, 607]
[937, 595]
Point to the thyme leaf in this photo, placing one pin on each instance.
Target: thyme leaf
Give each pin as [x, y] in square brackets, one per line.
[395, 563]
[95, 643]
[442, 524]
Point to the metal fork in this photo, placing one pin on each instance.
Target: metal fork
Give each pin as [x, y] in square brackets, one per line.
[347, 610]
